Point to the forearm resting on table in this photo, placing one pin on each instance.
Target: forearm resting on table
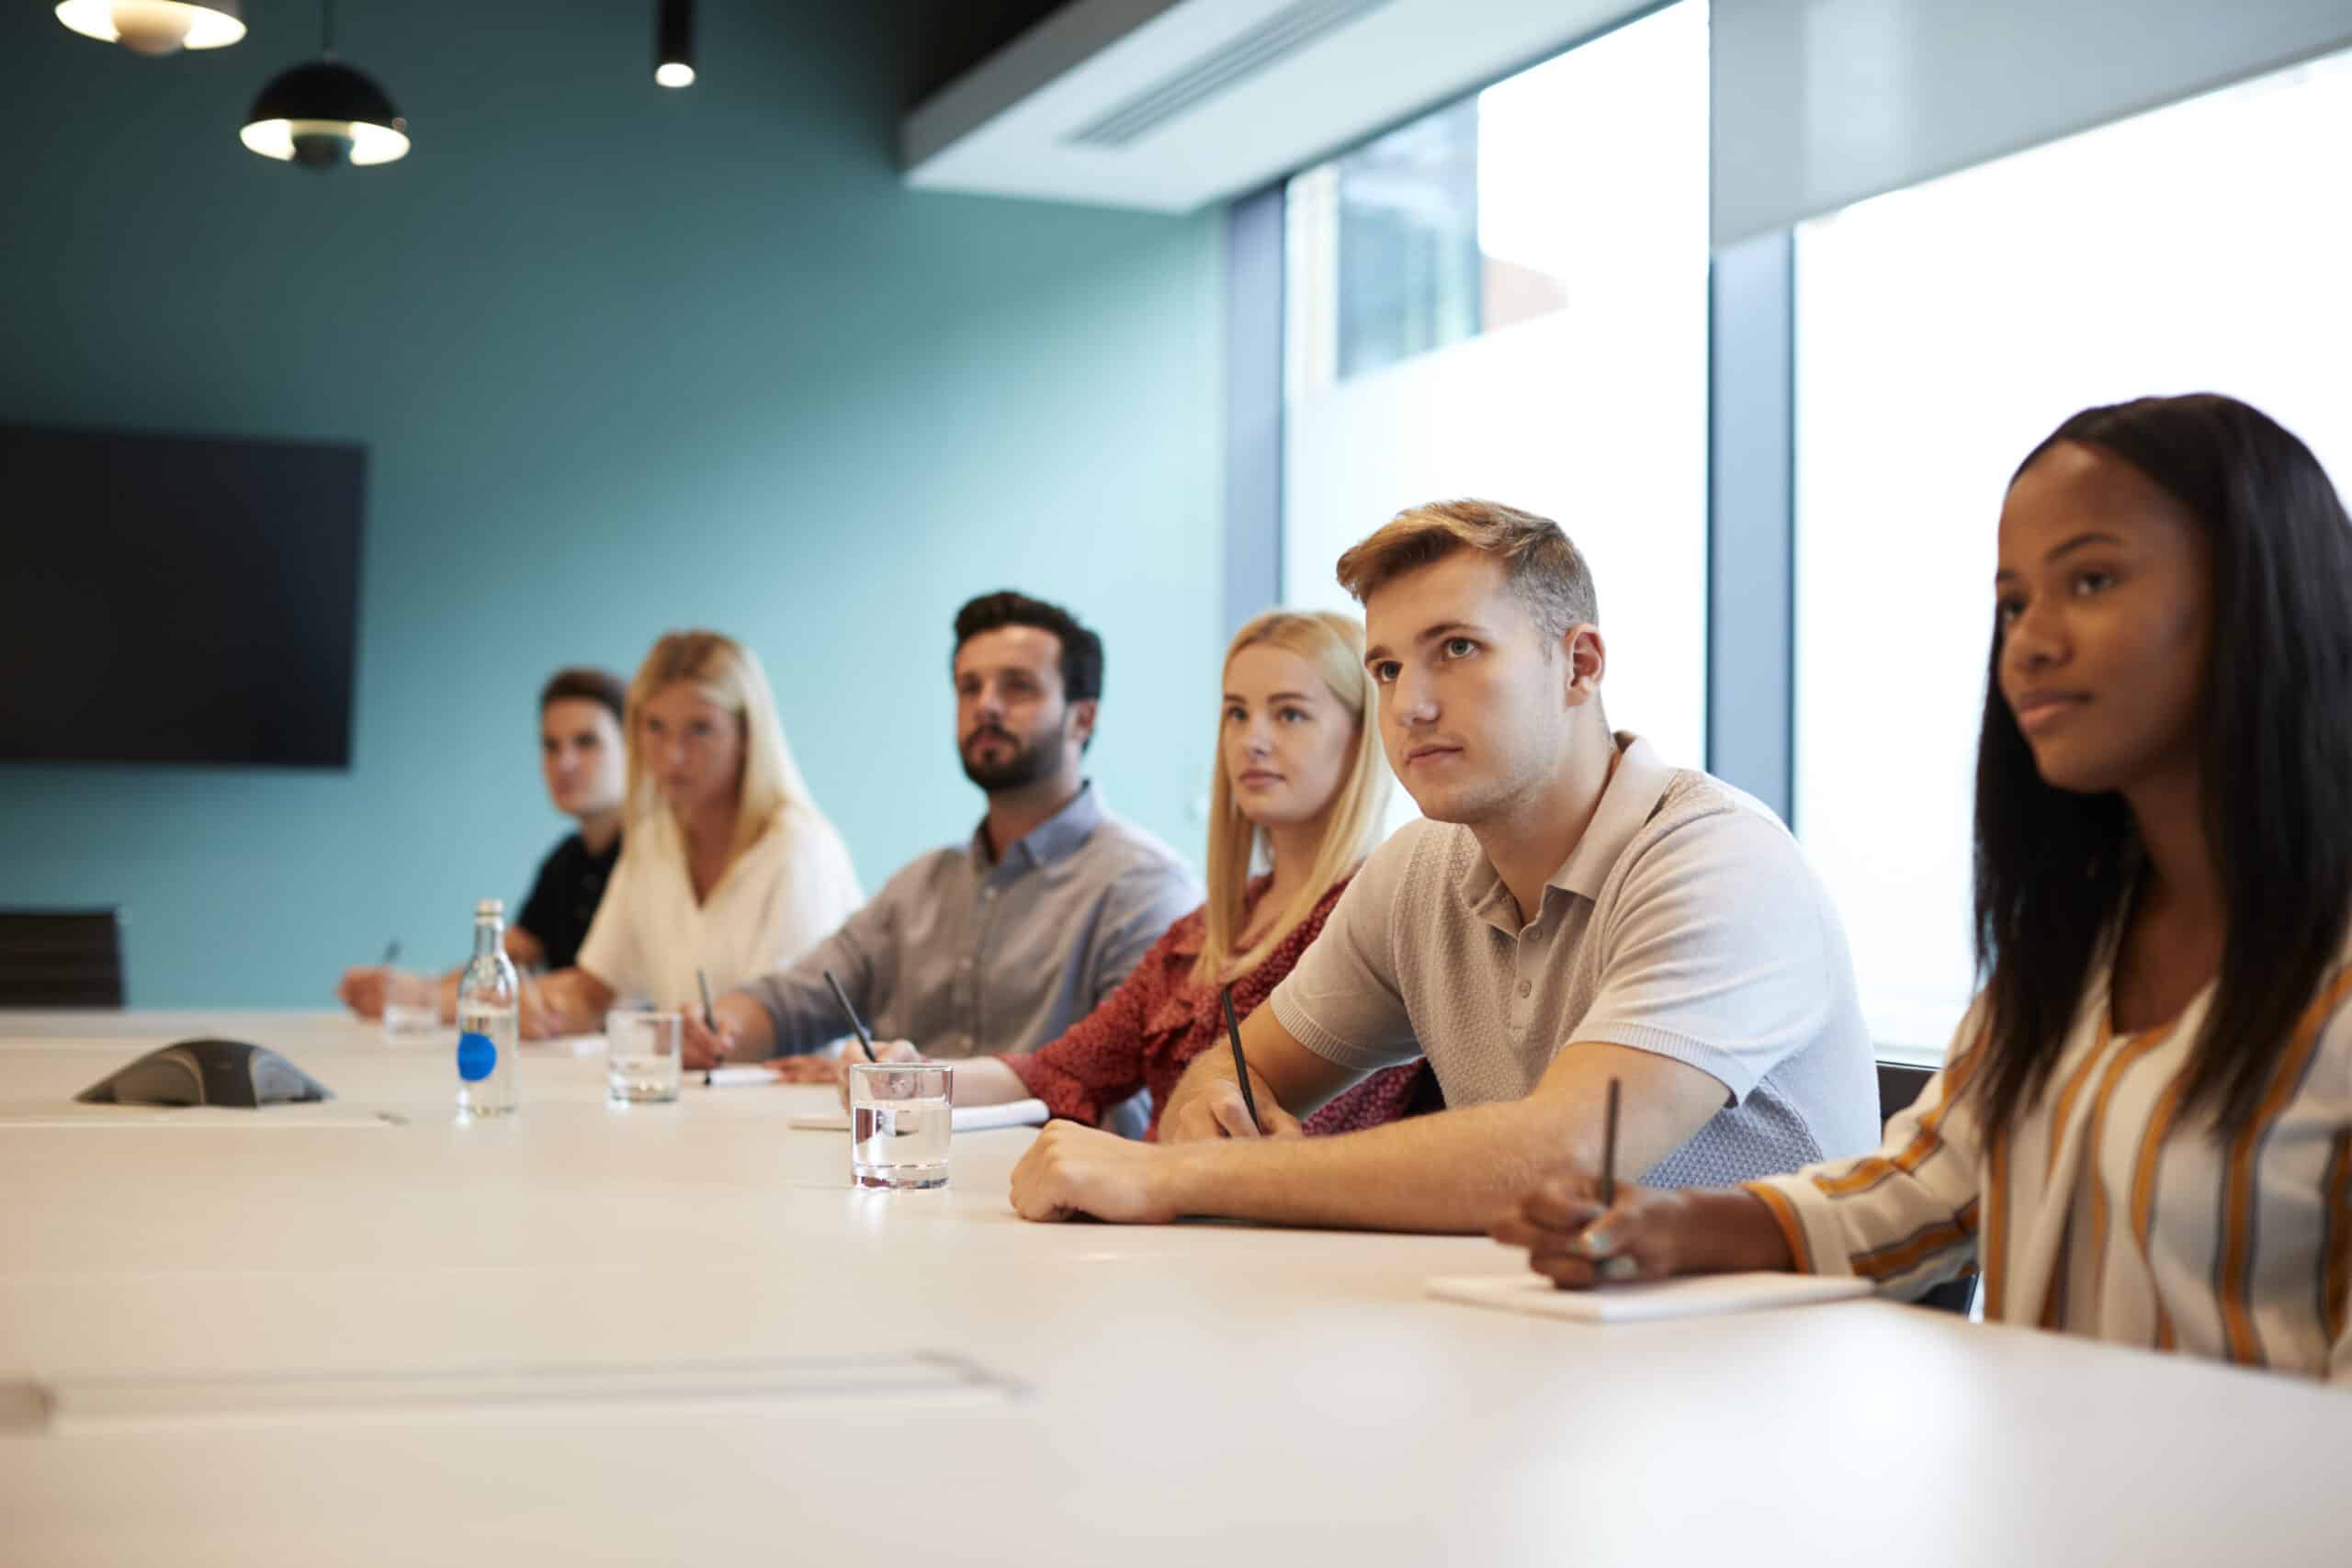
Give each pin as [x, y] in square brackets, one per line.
[1459, 1170]
[984, 1080]
[1729, 1230]
[571, 1001]
[743, 1018]
[1452, 1172]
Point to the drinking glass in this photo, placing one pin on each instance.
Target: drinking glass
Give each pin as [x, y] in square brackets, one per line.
[642, 1056]
[900, 1117]
[412, 1002]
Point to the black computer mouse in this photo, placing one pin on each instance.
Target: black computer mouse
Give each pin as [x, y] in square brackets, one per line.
[207, 1072]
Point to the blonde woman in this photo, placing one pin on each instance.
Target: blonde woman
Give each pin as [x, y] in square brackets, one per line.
[730, 868]
[1300, 784]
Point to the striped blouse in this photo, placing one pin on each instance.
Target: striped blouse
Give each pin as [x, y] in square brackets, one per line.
[2102, 1210]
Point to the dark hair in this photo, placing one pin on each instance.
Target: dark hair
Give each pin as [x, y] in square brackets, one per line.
[1082, 650]
[2054, 870]
[585, 683]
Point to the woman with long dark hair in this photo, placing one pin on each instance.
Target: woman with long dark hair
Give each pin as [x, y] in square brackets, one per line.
[2142, 1131]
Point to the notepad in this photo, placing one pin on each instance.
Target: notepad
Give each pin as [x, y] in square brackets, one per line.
[1692, 1296]
[751, 1077]
[967, 1117]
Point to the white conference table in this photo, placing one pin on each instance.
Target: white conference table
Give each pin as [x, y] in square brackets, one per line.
[1186, 1394]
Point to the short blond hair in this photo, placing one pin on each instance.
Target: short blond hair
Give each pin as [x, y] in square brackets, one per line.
[1541, 564]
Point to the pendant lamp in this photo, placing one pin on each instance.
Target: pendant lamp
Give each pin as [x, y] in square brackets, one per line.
[673, 44]
[324, 114]
[156, 27]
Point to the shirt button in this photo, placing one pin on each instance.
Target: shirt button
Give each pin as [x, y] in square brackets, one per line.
[1526, 987]
[987, 892]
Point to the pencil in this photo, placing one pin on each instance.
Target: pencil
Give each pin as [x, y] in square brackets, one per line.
[864, 1040]
[1609, 1151]
[710, 1019]
[1240, 1063]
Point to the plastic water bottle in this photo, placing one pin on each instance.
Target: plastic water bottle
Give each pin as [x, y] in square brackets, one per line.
[487, 1028]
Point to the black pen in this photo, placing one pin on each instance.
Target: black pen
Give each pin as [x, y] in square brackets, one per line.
[710, 1019]
[855, 1023]
[1609, 1151]
[1240, 1063]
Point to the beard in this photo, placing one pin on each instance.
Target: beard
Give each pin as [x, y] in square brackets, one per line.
[1026, 765]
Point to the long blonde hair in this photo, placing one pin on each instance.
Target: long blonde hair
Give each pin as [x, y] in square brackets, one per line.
[1333, 644]
[727, 675]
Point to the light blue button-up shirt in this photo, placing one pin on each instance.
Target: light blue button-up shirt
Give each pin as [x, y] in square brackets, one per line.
[963, 954]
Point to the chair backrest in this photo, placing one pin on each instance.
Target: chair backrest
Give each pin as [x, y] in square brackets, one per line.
[61, 958]
[1898, 1086]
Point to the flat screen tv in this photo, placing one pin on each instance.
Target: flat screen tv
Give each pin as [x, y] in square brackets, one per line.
[176, 598]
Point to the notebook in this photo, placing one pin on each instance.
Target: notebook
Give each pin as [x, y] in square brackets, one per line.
[967, 1117]
[1692, 1296]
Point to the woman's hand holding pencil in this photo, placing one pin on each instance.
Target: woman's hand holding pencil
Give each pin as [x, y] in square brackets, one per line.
[1581, 1231]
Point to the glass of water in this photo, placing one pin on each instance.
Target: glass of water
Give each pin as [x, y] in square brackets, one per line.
[411, 1003]
[642, 1056]
[900, 1116]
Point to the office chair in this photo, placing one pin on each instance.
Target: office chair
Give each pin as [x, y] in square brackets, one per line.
[61, 958]
[1898, 1086]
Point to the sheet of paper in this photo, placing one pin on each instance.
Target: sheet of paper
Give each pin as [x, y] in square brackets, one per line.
[967, 1117]
[1693, 1295]
[751, 1077]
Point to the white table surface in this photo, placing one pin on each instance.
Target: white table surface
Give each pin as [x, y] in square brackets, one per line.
[1192, 1393]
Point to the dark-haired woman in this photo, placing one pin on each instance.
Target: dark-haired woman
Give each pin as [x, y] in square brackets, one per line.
[2142, 1131]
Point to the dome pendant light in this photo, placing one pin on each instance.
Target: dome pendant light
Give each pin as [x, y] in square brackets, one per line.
[673, 44]
[324, 115]
[156, 27]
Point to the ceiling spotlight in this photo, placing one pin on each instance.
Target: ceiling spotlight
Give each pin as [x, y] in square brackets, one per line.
[324, 115]
[156, 27]
[673, 44]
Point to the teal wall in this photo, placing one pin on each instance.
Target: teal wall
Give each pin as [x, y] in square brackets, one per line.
[624, 360]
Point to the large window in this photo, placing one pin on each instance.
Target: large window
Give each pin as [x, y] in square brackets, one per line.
[1941, 331]
[1507, 298]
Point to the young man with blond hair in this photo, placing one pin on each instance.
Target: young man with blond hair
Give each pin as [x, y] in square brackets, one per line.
[1573, 910]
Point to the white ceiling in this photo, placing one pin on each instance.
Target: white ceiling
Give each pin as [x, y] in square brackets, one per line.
[1006, 127]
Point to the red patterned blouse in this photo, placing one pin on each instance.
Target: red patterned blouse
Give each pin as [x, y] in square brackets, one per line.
[1147, 1031]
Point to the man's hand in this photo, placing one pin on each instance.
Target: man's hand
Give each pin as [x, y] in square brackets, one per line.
[362, 989]
[535, 1015]
[836, 1069]
[1072, 1170]
[1217, 1111]
[699, 1046]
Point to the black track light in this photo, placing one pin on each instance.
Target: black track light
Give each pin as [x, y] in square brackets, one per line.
[673, 43]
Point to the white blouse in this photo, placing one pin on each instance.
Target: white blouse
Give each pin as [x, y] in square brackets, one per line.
[776, 900]
[2105, 1210]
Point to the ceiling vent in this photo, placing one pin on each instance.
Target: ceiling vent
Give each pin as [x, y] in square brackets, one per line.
[1170, 104]
[1277, 37]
